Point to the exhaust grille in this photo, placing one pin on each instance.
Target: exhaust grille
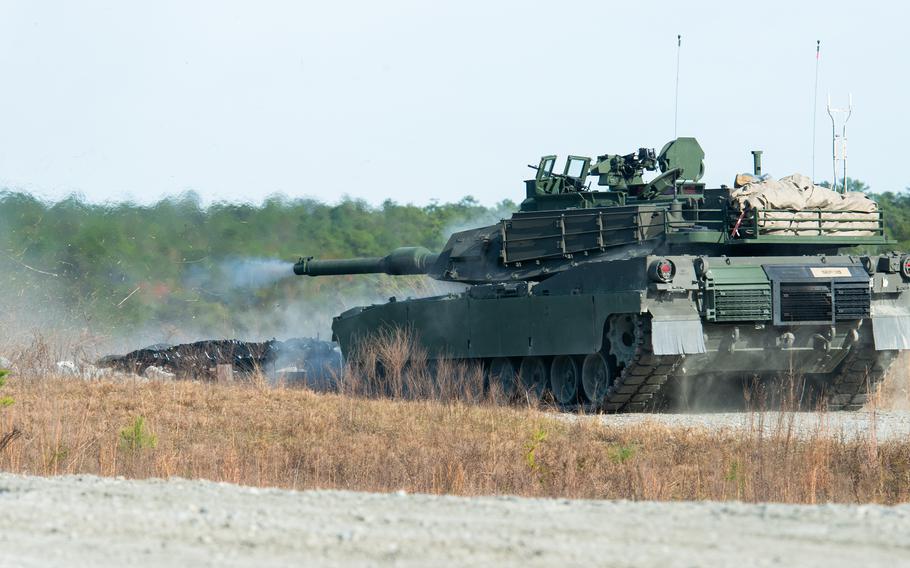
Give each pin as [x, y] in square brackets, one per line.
[816, 303]
[851, 300]
[747, 304]
[805, 302]
[816, 295]
[737, 293]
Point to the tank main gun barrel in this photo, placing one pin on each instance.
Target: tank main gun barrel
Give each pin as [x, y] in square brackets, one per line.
[401, 261]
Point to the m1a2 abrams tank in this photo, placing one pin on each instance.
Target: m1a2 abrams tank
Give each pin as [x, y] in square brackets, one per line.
[601, 296]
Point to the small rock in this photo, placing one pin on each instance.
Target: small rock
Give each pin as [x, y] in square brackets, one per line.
[67, 368]
[158, 373]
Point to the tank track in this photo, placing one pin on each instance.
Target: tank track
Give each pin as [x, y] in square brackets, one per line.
[642, 377]
[857, 378]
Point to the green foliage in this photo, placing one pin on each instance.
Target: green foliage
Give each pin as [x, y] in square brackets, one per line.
[734, 471]
[896, 209]
[532, 446]
[89, 258]
[56, 457]
[135, 437]
[852, 185]
[621, 453]
[736, 474]
[4, 400]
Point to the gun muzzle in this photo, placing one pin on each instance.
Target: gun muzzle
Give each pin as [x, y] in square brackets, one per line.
[404, 260]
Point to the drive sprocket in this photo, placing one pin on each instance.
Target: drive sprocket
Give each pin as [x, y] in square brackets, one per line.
[637, 373]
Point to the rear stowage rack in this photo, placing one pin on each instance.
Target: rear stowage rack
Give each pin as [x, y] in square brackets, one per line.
[763, 223]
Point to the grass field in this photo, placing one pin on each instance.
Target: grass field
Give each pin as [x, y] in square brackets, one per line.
[252, 434]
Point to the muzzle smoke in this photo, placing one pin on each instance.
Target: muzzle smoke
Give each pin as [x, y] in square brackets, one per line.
[239, 274]
[253, 273]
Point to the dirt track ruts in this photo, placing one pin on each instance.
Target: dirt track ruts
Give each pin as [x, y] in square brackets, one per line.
[91, 521]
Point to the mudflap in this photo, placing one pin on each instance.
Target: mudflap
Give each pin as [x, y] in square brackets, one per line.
[676, 329]
[891, 332]
[890, 324]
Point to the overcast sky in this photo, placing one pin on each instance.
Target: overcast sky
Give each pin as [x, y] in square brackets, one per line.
[416, 101]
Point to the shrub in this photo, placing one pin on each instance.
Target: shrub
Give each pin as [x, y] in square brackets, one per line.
[135, 438]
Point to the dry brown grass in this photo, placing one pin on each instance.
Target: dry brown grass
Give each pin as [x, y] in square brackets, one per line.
[459, 441]
[895, 391]
[392, 364]
[294, 438]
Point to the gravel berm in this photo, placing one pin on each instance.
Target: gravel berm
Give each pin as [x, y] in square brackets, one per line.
[886, 425]
[91, 521]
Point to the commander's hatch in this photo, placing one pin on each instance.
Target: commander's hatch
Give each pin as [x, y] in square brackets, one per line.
[577, 168]
[545, 169]
[572, 178]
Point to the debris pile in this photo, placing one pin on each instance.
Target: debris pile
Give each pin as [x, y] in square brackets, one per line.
[300, 359]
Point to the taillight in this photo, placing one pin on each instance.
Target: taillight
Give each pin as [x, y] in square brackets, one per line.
[663, 270]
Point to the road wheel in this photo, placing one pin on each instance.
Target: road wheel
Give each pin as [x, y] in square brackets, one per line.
[595, 378]
[534, 376]
[502, 373]
[564, 379]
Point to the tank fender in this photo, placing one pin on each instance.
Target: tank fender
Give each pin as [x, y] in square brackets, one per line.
[676, 329]
[890, 324]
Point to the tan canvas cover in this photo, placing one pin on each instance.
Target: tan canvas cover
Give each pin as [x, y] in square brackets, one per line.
[794, 205]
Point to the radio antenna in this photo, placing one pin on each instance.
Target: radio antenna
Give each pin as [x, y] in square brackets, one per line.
[839, 139]
[818, 47]
[676, 99]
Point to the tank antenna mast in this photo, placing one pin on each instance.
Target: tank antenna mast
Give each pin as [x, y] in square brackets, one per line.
[839, 141]
[818, 47]
[676, 98]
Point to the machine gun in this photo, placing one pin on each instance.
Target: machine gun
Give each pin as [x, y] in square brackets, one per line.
[680, 159]
[622, 172]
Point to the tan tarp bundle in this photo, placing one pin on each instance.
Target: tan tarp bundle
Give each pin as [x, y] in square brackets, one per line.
[793, 205]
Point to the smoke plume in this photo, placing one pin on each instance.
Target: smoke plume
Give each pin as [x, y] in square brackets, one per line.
[254, 273]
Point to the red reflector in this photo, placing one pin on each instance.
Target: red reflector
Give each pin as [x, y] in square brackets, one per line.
[666, 267]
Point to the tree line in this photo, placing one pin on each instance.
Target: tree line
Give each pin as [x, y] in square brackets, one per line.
[180, 265]
[125, 267]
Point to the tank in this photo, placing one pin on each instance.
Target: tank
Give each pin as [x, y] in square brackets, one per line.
[604, 296]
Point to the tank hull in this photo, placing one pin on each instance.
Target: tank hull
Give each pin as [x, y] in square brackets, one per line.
[736, 318]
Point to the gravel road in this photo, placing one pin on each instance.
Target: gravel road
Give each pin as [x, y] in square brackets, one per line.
[888, 425]
[91, 521]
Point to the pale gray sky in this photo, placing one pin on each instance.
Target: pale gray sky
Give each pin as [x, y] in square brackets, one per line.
[429, 100]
